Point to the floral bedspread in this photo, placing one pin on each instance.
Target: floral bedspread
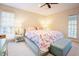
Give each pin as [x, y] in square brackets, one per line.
[43, 39]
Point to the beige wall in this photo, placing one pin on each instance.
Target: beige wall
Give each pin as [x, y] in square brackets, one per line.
[27, 18]
[60, 20]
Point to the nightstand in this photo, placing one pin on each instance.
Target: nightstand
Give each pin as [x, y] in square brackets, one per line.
[19, 38]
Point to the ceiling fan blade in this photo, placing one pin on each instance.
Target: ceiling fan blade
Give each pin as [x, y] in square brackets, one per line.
[43, 5]
[49, 6]
[53, 3]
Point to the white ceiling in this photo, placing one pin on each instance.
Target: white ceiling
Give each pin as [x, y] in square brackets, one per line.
[34, 7]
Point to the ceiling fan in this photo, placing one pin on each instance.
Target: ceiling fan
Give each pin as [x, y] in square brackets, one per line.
[48, 4]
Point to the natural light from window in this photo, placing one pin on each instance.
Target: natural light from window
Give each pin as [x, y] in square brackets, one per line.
[72, 26]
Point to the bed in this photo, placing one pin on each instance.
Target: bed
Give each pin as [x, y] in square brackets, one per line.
[39, 40]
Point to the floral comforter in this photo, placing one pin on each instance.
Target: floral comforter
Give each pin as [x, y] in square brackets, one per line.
[43, 39]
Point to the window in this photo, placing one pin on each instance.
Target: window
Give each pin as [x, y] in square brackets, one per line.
[72, 26]
[7, 22]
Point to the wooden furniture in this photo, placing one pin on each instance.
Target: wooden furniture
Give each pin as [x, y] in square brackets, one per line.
[2, 36]
[19, 38]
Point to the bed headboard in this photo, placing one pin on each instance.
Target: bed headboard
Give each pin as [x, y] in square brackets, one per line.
[31, 28]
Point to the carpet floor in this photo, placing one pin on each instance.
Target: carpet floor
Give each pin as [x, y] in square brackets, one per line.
[21, 49]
